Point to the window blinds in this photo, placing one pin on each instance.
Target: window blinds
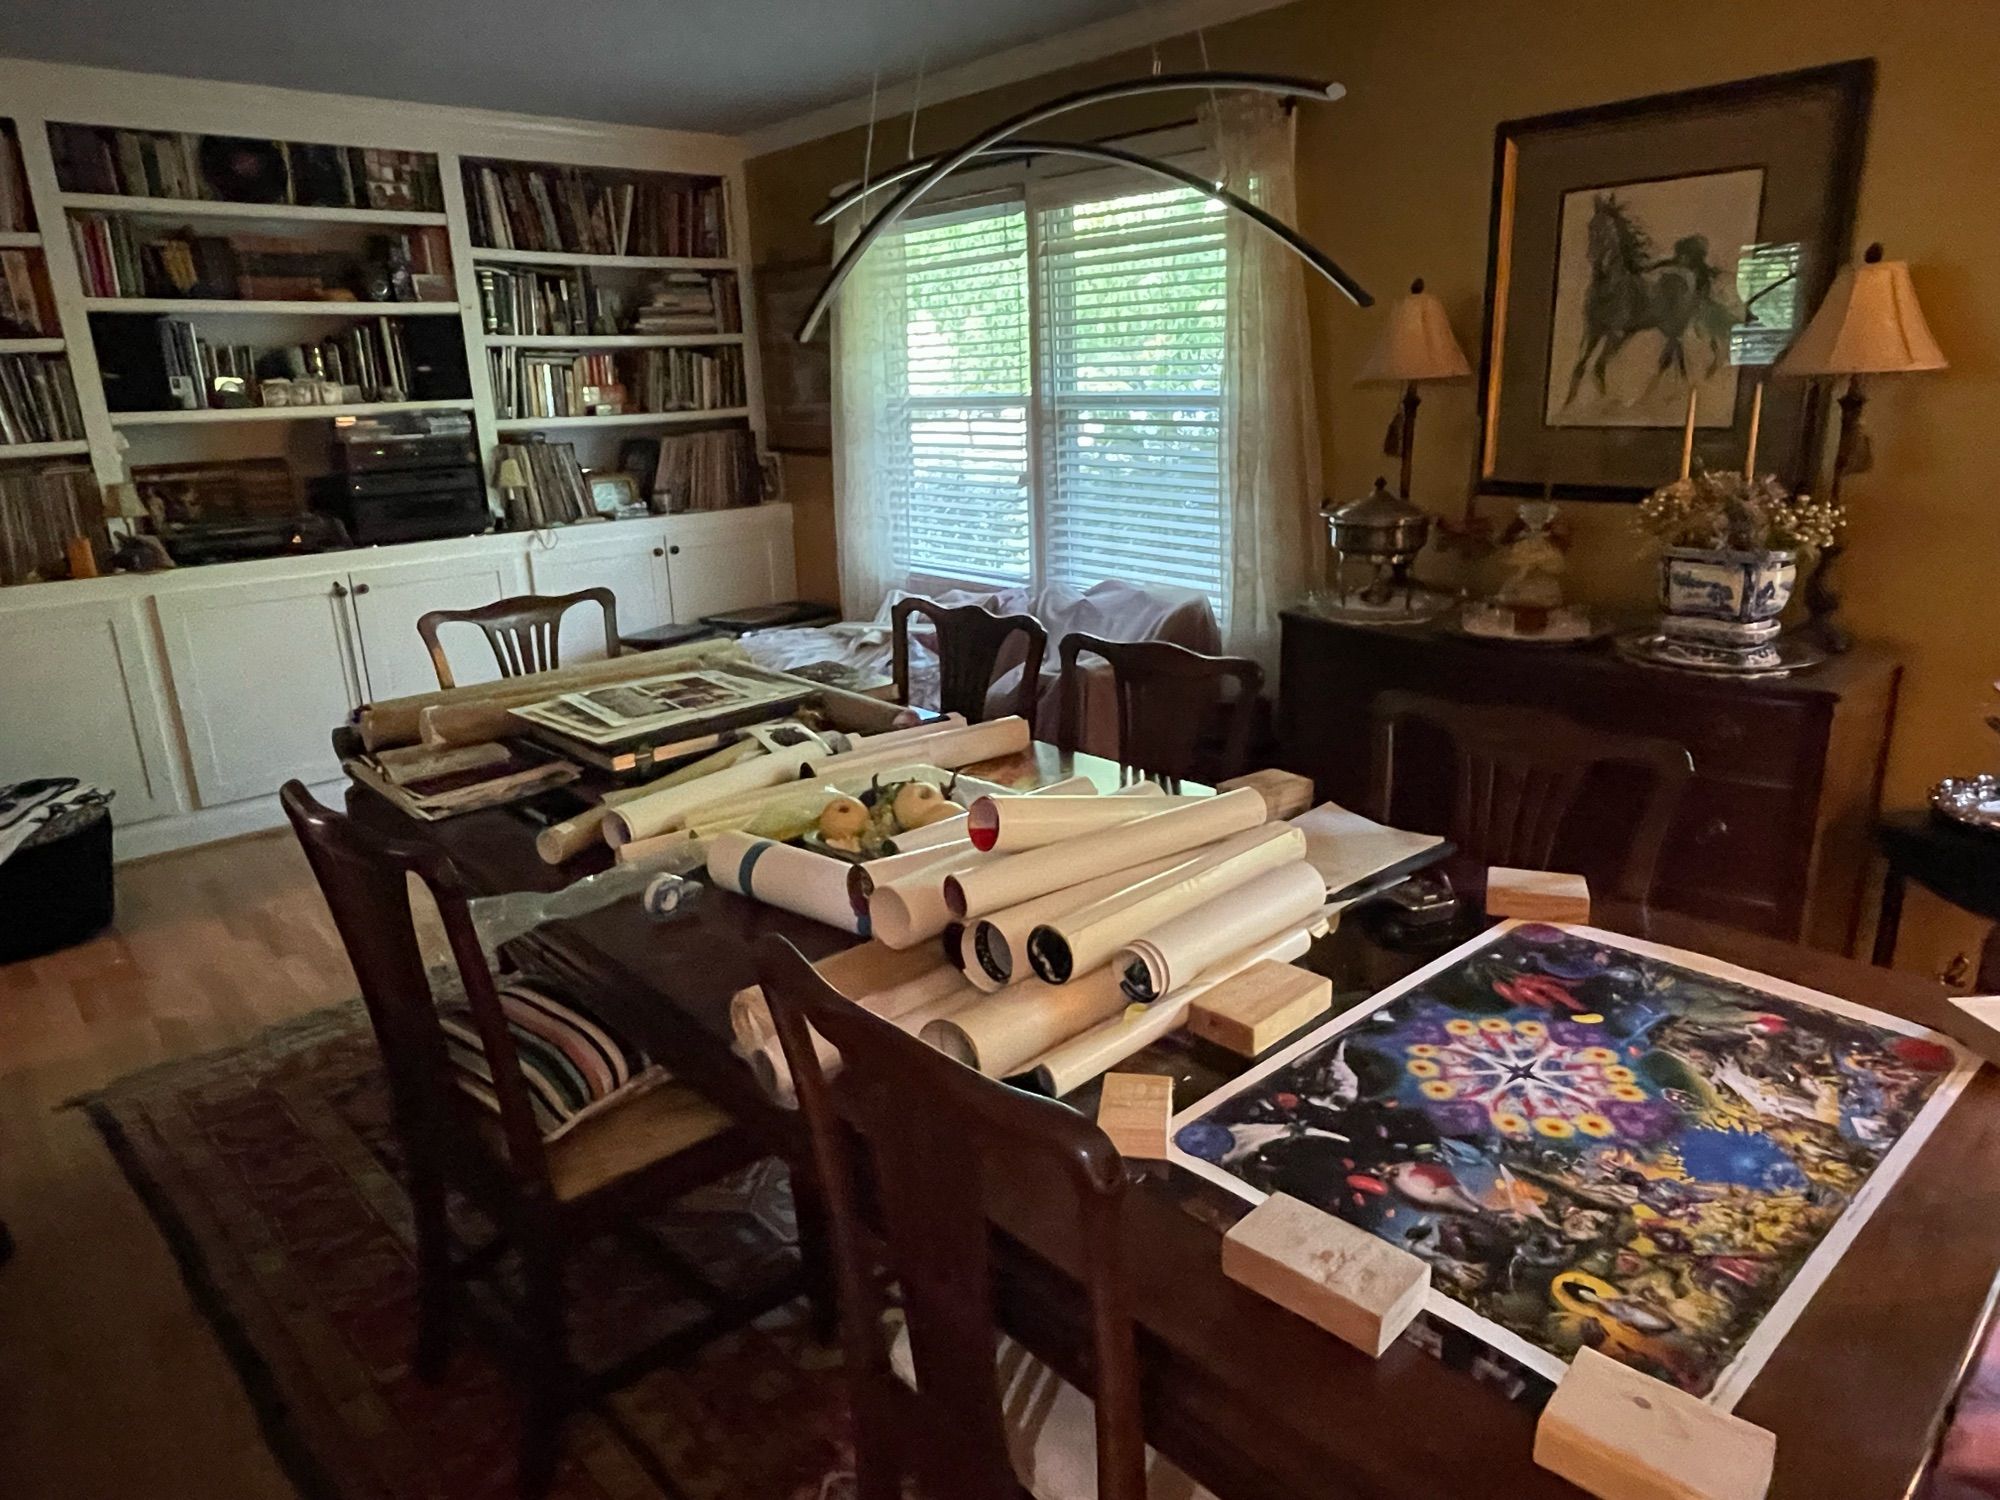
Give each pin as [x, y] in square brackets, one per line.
[962, 471]
[1133, 291]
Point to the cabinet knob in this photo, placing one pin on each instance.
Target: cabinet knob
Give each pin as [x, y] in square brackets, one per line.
[360, 588]
[659, 552]
[675, 551]
[339, 590]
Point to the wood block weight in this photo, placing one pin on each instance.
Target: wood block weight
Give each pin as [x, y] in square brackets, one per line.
[1537, 895]
[1286, 794]
[1980, 1027]
[1362, 1290]
[1133, 1110]
[1622, 1435]
[1252, 1011]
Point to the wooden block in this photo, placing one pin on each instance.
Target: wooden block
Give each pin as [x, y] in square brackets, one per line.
[1133, 1110]
[1980, 1028]
[1362, 1290]
[1285, 793]
[1537, 895]
[1252, 1011]
[1622, 1435]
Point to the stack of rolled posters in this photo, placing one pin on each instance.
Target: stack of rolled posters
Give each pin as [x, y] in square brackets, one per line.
[780, 875]
[949, 830]
[1175, 953]
[911, 908]
[952, 746]
[668, 809]
[1009, 879]
[1070, 1063]
[1000, 1033]
[878, 979]
[997, 825]
[996, 946]
[1192, 891]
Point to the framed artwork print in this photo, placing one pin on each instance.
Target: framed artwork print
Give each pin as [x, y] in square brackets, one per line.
[798, 378]
[1644, 250]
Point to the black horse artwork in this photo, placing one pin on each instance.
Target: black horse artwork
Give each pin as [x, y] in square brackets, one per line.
[1683, 297]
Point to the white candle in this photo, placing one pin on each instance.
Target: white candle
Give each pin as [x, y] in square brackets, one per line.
[1687, 437]
[1756, 416]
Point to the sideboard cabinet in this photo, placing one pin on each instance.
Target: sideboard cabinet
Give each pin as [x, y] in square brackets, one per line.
[1773, 833]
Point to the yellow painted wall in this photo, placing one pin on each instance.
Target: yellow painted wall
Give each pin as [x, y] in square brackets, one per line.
[1395, 182]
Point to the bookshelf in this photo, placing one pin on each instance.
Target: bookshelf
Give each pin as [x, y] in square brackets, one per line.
[136, 155]
[40, 415]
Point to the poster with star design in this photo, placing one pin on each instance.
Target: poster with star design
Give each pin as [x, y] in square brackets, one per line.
[1594, 1140]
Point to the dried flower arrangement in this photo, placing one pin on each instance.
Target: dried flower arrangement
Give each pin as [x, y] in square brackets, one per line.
[1726, 512]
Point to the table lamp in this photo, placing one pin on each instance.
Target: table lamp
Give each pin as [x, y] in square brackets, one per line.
[1869, 324]
[1416, 347]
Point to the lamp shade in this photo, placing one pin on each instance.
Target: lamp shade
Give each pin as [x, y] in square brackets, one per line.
[1417, 344]
[511, 475]
[1869, 324]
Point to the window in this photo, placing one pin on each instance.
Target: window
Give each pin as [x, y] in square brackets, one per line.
[1059, 412]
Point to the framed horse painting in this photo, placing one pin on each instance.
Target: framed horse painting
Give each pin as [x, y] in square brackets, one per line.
[1655, 250]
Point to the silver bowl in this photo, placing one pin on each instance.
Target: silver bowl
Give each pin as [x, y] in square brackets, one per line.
[1971, 800]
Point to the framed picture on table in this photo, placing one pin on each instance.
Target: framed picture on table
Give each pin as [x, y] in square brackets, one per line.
[1643, 251]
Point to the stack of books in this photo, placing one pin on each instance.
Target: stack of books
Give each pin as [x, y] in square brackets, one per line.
[690, 302]
[568, 209]
[118, 258]
[17, 213]
[573, 383]
[555, 493]
[706, 471]
[37, 401]
[166, 164]
[39, 512]
[518, 299]
[369, 361]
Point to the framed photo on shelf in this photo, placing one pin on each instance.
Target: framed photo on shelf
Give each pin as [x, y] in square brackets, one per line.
[798, 378]
[1643, 250]
[614, 493]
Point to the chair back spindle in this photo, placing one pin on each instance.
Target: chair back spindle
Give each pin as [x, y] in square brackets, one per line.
[1169, 702]
[524, 632]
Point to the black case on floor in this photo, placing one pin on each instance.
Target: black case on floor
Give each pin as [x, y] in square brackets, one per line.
[56, 894]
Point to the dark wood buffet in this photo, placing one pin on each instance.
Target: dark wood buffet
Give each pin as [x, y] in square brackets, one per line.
[1773, 834]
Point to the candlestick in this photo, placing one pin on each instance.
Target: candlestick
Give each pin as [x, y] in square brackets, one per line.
[1687, 437]
[1756, 417]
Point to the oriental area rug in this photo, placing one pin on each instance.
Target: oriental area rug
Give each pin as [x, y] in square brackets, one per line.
[270, 1168]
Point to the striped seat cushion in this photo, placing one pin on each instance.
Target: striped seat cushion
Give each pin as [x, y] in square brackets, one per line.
[573, 1064]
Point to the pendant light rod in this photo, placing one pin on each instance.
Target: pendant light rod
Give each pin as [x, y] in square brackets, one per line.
[1310, 253]
[1262, 83]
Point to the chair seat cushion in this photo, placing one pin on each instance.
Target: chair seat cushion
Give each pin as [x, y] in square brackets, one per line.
[1052, 1429]
[572, 1063]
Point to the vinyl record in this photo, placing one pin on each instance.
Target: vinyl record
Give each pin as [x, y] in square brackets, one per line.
[239, 170]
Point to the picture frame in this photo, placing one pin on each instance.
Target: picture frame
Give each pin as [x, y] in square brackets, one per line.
[798, 378]
[614, 493]
[1640, 250]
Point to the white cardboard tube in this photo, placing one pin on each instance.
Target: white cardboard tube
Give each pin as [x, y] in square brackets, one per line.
[863, 878]
[960, 745]
[1013, 878]
[773, 1071]
[1184, 949]
[1071, 1064]
[795, 880]
[1078, 941]
[998, 942]
[999, 1033]
[949, 830]
[1007, 825]
[908, 910]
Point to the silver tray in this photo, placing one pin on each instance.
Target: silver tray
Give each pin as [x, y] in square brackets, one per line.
[1652, 648]
[1971, 800]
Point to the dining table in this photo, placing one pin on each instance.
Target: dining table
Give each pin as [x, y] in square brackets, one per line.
[1251, 1400]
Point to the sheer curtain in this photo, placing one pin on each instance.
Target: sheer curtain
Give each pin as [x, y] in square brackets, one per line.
[1271, 472]
[869, 371]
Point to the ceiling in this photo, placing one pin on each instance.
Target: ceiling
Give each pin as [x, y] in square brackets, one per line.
[722, 65]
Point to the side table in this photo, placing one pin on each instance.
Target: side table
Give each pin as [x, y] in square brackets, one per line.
[1954, 863]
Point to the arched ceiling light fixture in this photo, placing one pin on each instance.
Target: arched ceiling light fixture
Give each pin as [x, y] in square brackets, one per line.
[934, 170]
[1304, 248]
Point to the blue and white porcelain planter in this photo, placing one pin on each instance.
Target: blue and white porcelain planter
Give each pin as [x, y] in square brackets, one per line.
[1713, 584]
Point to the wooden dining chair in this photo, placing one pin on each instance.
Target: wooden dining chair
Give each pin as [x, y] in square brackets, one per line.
[948, 1400]
[970, 638]
[1517, 775]
[1170, 702]
[524, 631]
[508, 1092]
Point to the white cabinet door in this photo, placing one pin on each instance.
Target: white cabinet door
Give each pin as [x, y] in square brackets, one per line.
[388, 599]
[634, 568]
[263, 673]
[728, 561]
[82, 699]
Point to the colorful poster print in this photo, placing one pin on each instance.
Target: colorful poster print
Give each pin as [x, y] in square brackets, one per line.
[1594, 1141]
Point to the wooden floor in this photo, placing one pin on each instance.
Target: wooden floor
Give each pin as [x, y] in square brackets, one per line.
[111, 1387]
